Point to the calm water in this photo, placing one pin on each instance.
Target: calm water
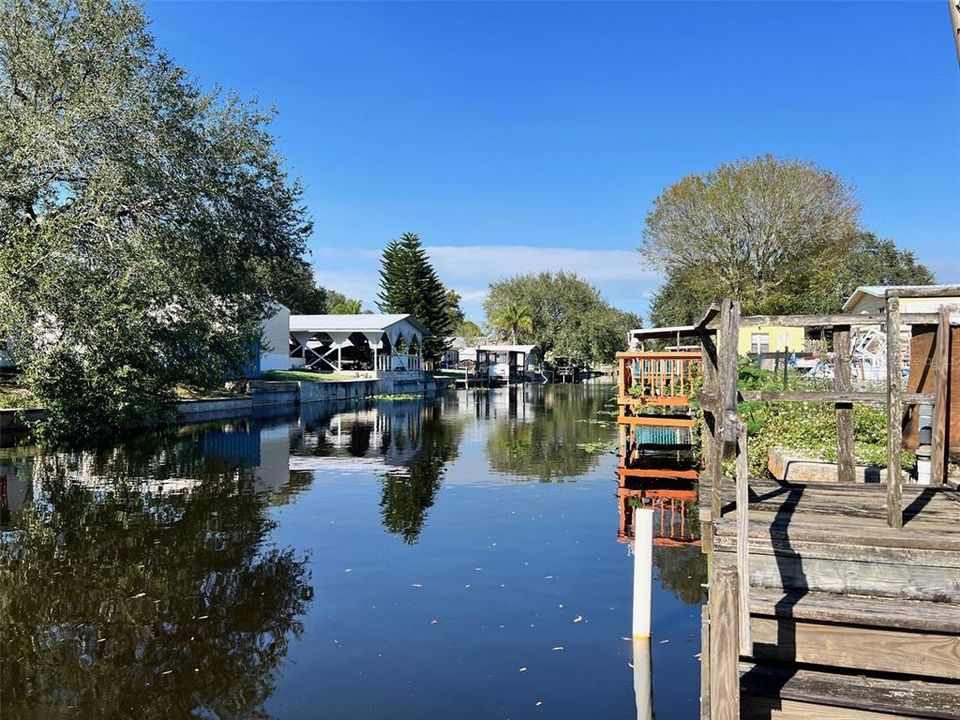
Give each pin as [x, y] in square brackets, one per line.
[393, 560]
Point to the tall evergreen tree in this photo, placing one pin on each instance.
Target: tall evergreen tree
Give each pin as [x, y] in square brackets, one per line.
[409, 284]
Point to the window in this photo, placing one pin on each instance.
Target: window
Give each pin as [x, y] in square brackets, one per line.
[759, 342]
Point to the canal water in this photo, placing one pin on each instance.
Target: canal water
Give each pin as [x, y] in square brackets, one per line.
[455, 557]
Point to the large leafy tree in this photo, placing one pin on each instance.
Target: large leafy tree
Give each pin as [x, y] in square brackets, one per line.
[141, 219]
[569, 317]
[871, 261]
[755, 230]
[409, 284]
[682, 300]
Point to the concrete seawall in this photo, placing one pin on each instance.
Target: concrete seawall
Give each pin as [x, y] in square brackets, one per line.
[268, 394]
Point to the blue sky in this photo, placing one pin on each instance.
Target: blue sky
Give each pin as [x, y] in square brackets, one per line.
[521, 137]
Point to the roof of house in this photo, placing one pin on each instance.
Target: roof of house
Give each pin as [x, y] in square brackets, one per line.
[880, 291]
[352, 323]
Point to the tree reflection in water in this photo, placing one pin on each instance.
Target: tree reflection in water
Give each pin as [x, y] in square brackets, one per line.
[120, 598]
[545, 442]
[409, 491]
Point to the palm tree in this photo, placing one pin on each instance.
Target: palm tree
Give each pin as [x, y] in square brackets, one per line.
[512, 320]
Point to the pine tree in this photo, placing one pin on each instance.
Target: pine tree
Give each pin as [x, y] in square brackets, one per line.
[409, 284]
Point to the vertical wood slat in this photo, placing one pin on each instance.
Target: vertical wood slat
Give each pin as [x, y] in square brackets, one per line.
[844, 411]
[941, 377]
[724, 645]
[727, 350]
[712, 449]
[743, 538]
[894, 415]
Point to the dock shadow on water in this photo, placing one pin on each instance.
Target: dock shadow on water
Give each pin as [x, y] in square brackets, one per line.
[447, 557]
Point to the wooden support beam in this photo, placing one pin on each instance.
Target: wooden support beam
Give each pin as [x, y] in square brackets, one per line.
[656, 421]
[843, 410]
[924, 291]
[832, 397]
[894, 415]
[724, 644]
[812, 321]
[743, 538]
[941, 398]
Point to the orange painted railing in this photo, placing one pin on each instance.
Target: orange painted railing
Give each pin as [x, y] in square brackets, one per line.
[657, 378]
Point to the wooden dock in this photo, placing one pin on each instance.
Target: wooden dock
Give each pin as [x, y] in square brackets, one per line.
[847, 617]
[828, 600]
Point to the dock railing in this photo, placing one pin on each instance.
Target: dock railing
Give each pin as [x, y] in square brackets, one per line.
[725, 435]
[657, 378]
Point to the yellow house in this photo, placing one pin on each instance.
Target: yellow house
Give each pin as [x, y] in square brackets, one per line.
[769, 338]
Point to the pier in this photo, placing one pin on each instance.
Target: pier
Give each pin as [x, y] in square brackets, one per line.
[837, 599]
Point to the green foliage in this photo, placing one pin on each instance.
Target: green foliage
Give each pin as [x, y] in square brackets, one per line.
[408, 493]
[141, 220]
[679, 301]
[290, 281]
[755, 230]
[557, 444]
[808, 429]
[871, 261]
[181, 580]
[513, 321]
[451, 302]
[340, 304]
[409, 284]
[568, 315]
[469, 331]
[307, 376]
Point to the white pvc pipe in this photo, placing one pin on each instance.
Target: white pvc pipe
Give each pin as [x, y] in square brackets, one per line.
[642, 571]
[643, 678]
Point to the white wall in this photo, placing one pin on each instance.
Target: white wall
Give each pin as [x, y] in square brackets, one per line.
[275, 354]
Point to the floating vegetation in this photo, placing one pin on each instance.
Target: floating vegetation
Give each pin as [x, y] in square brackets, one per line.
[396, 396]
[598, 448]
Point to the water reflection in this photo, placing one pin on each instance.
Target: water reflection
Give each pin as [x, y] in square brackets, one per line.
[550, 434]
[160, 579]
[137, 583]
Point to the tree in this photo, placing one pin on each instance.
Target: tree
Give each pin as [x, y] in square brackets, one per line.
[451, 300]
[409, 284]
[292, 283]
[568, 315]
[678, 302]
[469, 331]
[512, 320]
[871, 261]
[340, 304]
[752, 230]
[140, 219]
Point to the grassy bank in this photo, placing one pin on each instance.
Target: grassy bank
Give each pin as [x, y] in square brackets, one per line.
[305, 375]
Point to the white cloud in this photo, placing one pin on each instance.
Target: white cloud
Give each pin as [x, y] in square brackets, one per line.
[469, 269]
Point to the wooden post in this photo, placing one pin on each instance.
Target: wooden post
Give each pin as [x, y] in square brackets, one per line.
[705, 662]
[743, 538]
[844, 411]
[786, 357]
[712, 441]
[642, 571]
[724, 645]
[941, 379]
[894, 414]
[727, 338]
